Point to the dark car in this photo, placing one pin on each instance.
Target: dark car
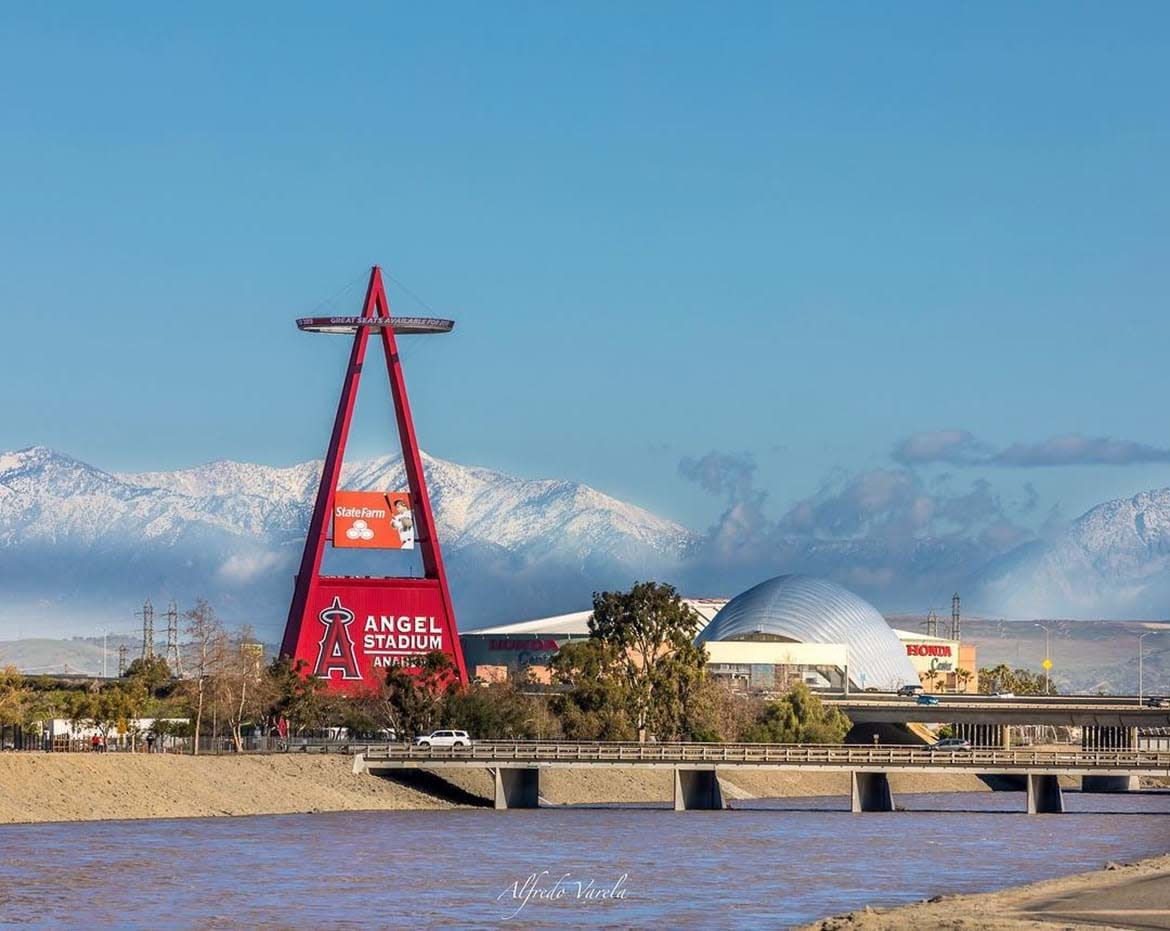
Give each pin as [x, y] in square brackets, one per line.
[909, 691]
[927, 700]
[951, 745]
[1157, 701]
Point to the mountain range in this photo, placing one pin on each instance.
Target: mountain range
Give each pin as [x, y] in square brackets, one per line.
[80, 548]
[1111, 562]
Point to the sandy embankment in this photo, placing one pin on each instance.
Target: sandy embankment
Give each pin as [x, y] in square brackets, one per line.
[86, 787]
[90, 786]
[1136, 895]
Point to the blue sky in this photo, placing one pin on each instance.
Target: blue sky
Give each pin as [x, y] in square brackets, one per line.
[796, 234]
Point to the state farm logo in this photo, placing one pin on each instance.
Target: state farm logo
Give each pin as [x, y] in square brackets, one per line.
[928, 649]
[336, 649]
[359, 529]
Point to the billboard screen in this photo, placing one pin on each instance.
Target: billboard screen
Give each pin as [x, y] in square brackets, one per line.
[355, 629]
[380, 520]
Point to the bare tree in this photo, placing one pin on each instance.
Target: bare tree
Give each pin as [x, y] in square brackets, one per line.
[240, 684]
[208, 639]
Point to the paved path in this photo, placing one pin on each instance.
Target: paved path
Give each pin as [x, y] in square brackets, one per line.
[1135, 897]
[1140, 903]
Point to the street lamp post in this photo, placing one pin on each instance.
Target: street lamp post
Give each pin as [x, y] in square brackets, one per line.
[1141, 637]
[1047, 656]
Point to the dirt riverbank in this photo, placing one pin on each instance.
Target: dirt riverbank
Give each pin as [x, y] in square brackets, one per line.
[1120, 896]
[92, 786]
[87, 787]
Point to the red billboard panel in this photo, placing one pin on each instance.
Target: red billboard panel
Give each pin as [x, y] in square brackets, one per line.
[373, 520]
[355, 629]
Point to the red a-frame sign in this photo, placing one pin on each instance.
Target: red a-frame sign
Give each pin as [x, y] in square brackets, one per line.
[347, 630]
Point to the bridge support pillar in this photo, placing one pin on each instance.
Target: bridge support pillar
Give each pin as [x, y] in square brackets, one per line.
[1108, 737]
[517, 788]
[870, 792]
[984, 735]
[1044, 795]
[697, 790]
[1109, 783]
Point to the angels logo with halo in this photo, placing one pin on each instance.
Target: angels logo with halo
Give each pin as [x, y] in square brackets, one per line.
[336, 649]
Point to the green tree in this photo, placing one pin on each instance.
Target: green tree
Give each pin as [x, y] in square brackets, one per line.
[799, 717]
[653, 631]
[14, 697]
[164, 729]
[78, 708]
[1003, 678]
[411, 703]
[995, 678]
[593, 704]
[152, 672]
[495, 711]
[110, 708]
[294, 696]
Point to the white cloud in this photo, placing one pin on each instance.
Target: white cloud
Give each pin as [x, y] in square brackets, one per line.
[241, 568]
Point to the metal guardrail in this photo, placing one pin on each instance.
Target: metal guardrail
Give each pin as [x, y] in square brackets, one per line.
[537, 752]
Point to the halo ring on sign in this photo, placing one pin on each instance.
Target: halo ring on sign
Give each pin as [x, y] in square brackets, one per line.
[406, 325]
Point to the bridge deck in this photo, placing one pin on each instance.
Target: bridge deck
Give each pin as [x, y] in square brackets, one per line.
[1071, 711]
[549, 754]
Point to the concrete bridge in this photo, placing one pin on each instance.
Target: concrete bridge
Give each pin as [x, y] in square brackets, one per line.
[516, 766]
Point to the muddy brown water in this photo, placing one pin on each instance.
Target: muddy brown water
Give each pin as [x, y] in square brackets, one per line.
[766, 863]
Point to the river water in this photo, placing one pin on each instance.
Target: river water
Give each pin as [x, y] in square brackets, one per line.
[766, 863]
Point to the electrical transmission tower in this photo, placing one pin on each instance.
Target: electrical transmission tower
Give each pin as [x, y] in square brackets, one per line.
[147, 614]
[955, 617]
[121, 660]
[932, 624]
[174, 657]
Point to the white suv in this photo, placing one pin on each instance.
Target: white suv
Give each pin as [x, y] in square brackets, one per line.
[444, 739]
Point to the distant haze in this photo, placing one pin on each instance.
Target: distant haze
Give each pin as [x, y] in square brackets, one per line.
[80, 548]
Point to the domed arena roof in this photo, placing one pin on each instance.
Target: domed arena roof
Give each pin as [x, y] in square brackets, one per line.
[811, 610]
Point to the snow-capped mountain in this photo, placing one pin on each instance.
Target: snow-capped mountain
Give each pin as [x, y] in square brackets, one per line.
[1113, 561]
[80, 548]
